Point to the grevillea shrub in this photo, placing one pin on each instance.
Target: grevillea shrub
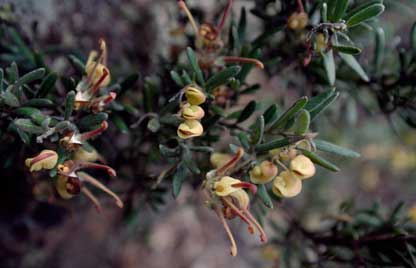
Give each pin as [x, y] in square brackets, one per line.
[198, 120]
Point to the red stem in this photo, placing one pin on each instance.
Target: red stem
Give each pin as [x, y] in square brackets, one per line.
[224, 16]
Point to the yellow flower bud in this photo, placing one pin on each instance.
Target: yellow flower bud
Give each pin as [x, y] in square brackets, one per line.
[263, 173]
[194, 95]
[287, 184]
[84, 155]
[302, 166]
[97, 73]
[320, 42]
[192, 112]
[218, 159]
[67, 187]
[298, 21]
[46, 159]
[224, 186]
[189, 129]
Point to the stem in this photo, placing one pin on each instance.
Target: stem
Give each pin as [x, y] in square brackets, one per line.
[82, 165]
[258, 63]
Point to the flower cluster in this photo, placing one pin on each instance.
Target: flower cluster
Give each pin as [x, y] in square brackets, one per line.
[227, 196]
[191, 112]
[97, 77]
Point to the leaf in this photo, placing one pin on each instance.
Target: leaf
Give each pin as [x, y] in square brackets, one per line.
[365, 14]
[362, 6]
[319, 160]
[242, 25]
[189, 161]
[270, 114]
[347, 49]
[195, 66]
[316, 101]
[413, 37]
[39, 102]
[264, 195]
[222, 77]
[178, 179]
[120, 123]
[323, 105]
[30, 77]
[329, 65]
[1, 79]
[353, 63]
[379, 50]
[35, 114]
[289, 114]
[243, 138]
[177, 78]
[92, 120]
[278, 143]
[77, 63]
[335, 149]
[247, 111]
[169, 152]
[128, 83]
[10, 99]
[302, 122]
[23, 135]
[186, 78]
[28, 126]
[69, 104]
[47, 84]
[339, 10]
[258, 130]
[324, 12]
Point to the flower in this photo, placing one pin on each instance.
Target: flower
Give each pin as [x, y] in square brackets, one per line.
[320, 42]
[297, 21]
[73, 141]
[263, 173]
[287, 184]
[190, 129]
[97, 77]
[46, 159]
[228, 185]
[68, 186]
[194, 95]
[302, 166]
[192, 112]
[219, 159]
[89, 156]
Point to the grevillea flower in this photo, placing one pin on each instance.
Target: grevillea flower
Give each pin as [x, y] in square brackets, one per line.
[302, 166]
[287, 184]
[234, 200]
[263, 173]
[190, 129]
[71, 181]
[298, 21]
[194, 95]
[192, 112]
[46, 159]
[97, 77]
[219, 159]
[73, 141]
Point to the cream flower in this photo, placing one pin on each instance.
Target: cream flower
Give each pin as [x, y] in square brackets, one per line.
[263, 173]
[302, 166]
[46, 159]
[287, 184]
[190, 129]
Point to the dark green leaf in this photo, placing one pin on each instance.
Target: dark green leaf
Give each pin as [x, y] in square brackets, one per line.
[329, 65]
[31, 76]
[28, 126]
[39, 102]
[302, 122]
[10, 99]
[178, 179]
[120, 123]
[270, 114]
[258, 131]
[128, 83]
[278, 143]
[35, 114]
[289, 114]
[77, 64]
[365, 14]
[353, 63]
[413, 37]
[347, 49]
[243, 138]
[69, 104]
[319, 160]
[339, 10]
[177, 78]
[264, 195]
[247, 111]
[335, 149]
[221, 77]
[47, 84]
[379, 50]
[323, 105]
[92, 120]
[195, 66]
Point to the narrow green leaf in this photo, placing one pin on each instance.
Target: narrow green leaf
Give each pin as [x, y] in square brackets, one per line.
[178, 179]
[362, 6]
[324, 12]
[221, 77]
[189, 161]
[278, 143]
[35, 114]
[379, 50]
[177, 78]
[247, 111]
[244, 141]
[316, 101]
[289, 114]
[77, 64]
[413, 37]
[258, 131]
[120, 123]
[128, 83]
[23, 135]
[353, 63]
[335, 149]
[47, 84]
[322, 107]
[69, 104]
[347, 49]
[365, 14]
[195, 66]
[242, 25]
[302, 122]
[28, 126]
[1, 79]
[329, 65]
[10, 99]
[186, 78]
[339, 10]
[264, 195]
[92, 120]
[31, 76]
[270, 114]
[39, 102]
[319, 160]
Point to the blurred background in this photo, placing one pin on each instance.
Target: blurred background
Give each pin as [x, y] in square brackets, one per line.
[183, 232]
